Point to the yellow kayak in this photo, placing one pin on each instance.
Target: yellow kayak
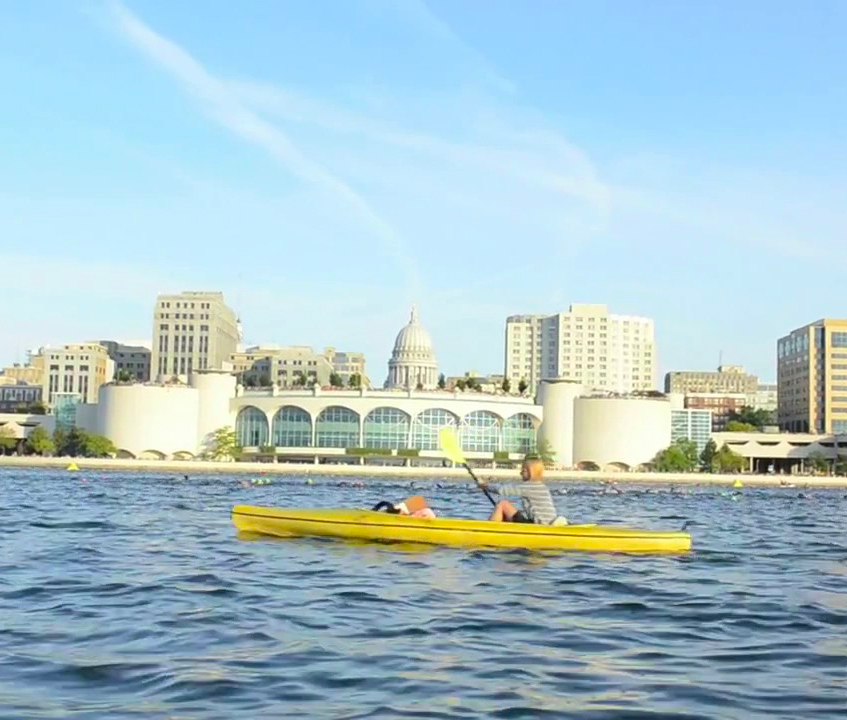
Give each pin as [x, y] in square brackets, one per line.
[383, 527]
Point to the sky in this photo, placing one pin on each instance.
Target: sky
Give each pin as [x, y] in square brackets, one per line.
[328, 164]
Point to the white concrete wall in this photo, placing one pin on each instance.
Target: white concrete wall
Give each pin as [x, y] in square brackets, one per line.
[215, 389]
[148, 418]
[557, 400]
[88, 417]
[620, 430]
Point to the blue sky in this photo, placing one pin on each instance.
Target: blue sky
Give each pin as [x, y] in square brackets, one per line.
[326, 164]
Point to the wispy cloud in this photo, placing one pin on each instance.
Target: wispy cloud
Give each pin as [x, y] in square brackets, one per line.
[420, 16]
[226, 109]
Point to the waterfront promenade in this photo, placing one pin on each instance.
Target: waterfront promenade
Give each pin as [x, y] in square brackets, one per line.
[197, 467]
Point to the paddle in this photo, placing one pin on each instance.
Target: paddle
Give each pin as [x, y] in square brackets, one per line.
[450, 445]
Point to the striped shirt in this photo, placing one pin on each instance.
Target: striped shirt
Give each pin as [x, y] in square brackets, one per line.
[537, 501]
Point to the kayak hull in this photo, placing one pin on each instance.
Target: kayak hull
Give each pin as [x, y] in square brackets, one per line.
[458, 532]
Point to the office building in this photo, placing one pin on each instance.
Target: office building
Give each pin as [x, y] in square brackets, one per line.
[812, 378]
[76, 371]
[192, 330]
[587, 344]
[132, 361]
[285, 367]
[692, 424]
[347, 364]
[727, 379]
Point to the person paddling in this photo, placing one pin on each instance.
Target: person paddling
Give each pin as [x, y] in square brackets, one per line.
[538, 505]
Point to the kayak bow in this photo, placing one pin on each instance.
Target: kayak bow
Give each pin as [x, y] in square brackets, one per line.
[460, 532]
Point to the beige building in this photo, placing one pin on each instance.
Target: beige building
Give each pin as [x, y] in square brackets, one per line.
[77, 369]
[347, 364]
[32, 373]
[587, 344]
[727, 379]
[131, 359]
[812, 378]
[295, 366]
[192, 330]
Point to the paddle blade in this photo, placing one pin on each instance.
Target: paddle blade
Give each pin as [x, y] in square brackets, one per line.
[450, 445]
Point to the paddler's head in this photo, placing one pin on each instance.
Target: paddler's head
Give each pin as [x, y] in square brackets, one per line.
[532, 469]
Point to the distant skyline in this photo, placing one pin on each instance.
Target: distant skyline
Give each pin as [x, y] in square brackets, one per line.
[325, 170]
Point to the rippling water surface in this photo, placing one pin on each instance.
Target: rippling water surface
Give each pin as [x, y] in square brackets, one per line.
[126, 596]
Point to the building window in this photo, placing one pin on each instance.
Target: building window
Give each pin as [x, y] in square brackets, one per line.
[387, 428]
[426, 425]
[519, 434]
[251, 427]
[480, 432]
[292, 427]
[337, 427]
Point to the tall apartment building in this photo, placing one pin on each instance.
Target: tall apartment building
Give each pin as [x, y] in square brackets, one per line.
[76, 370]
[812, 378]
[283, 366]
[599, 349]
[192, 330]
[132, 359]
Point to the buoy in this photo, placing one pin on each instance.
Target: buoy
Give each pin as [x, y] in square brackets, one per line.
[737, 483]
[308, 481]
[73, 466]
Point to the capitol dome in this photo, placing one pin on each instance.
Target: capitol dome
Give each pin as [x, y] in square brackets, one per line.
[412, 362]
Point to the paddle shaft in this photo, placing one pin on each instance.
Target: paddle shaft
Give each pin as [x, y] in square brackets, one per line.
[480, 486]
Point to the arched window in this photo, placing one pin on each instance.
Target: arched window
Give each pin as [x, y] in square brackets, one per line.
[480, 432]
[426, 425]
[337, 427]
[387, 427]
[251, 427]
[292, 427]
[519, 434]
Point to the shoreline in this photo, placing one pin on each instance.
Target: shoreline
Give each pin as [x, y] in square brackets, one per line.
[206, 467]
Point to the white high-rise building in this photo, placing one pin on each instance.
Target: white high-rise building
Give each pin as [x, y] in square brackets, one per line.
[587, 344]
[192, 331]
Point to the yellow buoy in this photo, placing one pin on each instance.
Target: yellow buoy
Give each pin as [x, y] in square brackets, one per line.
[73, 466]
[737, 483]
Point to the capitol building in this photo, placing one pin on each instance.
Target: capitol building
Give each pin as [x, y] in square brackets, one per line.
[398, 423]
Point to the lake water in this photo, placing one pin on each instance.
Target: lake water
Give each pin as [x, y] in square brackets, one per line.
[130, 596]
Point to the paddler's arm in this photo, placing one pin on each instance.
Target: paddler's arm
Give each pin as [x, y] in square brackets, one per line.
[501, 490]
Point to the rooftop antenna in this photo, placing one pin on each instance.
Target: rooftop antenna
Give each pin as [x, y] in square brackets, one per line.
[720, 358]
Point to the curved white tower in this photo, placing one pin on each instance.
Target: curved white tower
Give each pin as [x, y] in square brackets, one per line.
[626, 431]
[557, 397]
[215, 390]
[412, 361]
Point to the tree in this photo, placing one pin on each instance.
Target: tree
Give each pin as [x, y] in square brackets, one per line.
[506, 385]
[728, 461]
[472, 383]
[461, 383]
[124, 376]
[738, 426]
[544, 450]
[299, 379]
[39, 442]
[522, 386]
[264, 380]
[681, 456]
[817, 462]
[355, 380]
[78, 442]
[757, 417]
[8, 441]
[708, 462]
[225, 444]
[442, 381]
[335, 380]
